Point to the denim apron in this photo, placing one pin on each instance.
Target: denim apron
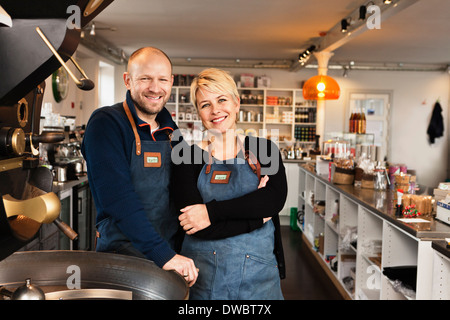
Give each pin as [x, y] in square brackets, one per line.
[243, 267]
[150, 174]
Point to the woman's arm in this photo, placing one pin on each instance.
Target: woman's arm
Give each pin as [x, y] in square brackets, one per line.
[186, 194]
[261, 203]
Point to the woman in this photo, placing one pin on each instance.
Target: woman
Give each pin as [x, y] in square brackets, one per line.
[229, 214]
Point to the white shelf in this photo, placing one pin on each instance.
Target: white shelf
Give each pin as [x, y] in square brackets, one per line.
[267, 127]
[441, 277]
[399, 247]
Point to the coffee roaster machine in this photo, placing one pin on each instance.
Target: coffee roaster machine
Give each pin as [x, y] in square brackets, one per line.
[35, 41]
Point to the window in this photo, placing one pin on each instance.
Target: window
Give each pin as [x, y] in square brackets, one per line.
[376, 105]
[106, 84]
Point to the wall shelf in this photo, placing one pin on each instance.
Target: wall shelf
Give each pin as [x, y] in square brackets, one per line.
[278, 120]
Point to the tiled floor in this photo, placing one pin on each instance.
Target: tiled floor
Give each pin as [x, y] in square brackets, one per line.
[305, 279]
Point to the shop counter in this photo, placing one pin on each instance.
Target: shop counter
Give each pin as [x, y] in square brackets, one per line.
[364, 248]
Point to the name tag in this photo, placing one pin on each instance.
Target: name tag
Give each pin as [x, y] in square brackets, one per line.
[152, 159]
[222, 177]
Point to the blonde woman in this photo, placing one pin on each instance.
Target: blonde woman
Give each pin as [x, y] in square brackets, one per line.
[229, 190]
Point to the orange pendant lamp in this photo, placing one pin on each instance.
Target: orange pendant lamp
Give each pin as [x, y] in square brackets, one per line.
[321, 87]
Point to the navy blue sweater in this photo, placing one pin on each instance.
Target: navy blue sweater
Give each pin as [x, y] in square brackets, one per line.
[107, 147]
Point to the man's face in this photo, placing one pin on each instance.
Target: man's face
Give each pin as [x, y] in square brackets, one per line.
[149, 80]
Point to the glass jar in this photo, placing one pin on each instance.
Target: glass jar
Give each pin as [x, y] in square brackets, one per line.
[380, 182]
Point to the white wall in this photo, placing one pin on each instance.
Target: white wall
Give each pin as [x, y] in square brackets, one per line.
[414, 95]
[85, 102]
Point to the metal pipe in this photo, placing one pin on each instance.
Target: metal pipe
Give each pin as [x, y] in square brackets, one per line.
[83, 83]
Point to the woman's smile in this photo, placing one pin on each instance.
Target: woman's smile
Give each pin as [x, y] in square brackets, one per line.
[217, 120]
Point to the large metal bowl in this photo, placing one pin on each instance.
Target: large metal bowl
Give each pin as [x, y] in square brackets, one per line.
[58, 271]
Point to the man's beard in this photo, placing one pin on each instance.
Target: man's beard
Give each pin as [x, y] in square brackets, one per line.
[146, 111]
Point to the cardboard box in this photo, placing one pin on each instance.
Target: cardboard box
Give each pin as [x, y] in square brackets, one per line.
[440, 194]
[262, 82]
[247, 80]
[322, 166]
[443, 212]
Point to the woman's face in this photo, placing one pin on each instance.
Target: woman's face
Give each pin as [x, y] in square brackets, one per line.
[218, 111]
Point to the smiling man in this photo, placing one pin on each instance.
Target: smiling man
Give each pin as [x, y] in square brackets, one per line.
[149, 80]
[127, 149]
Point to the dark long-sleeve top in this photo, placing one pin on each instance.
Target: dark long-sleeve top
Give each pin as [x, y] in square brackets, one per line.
[107, 148]
[242, 214]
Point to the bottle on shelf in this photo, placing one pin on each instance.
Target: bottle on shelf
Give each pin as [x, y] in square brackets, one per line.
[363, 121]
[357, 123]
[351, 124]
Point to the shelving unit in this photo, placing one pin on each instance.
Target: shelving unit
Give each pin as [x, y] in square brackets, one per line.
[367, 240]
[272, 113]
[441, 271]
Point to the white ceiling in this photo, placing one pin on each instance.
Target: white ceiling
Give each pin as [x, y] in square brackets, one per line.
[275, 30]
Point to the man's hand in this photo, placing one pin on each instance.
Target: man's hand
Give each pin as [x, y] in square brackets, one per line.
[194, 218]
[184, 266]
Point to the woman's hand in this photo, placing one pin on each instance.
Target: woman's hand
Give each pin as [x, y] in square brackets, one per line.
[262, 184]
[194, 218]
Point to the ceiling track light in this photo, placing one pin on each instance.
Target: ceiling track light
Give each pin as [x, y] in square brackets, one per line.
[387, 1]
[362, 12]
[92, 32]
[305, 55]
[344, 25]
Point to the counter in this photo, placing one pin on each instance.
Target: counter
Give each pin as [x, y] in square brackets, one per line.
[441, 247]
[382, 203]
[59, 187]
[77, 211]
[358, 240]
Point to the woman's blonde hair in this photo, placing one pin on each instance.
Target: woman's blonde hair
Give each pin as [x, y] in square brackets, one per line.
[214, 80]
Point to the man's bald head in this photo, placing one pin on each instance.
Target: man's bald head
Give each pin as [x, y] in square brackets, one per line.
[145, 52]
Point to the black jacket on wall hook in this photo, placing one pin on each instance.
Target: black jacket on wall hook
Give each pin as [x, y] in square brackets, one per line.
[436, 126]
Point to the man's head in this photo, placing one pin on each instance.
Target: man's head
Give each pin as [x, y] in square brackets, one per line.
[149, 79]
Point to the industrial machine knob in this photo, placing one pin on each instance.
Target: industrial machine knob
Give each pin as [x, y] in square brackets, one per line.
[28, 292]
[12, 141]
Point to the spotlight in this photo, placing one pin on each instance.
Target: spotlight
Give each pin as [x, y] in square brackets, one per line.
[344, 25]
[92, 32]
[310, 49]
[305, 55]
[362, 13]
[387, 1]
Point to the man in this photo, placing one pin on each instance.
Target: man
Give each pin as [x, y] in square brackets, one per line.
[127, 149]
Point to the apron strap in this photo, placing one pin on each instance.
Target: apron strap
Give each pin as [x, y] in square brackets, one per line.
[249, 157]
[252, 160]
[133, 126]
[208, 166]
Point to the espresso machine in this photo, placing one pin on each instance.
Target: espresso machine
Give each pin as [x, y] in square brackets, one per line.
[35, 41]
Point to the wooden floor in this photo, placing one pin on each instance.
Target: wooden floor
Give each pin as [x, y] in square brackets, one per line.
[305, 278]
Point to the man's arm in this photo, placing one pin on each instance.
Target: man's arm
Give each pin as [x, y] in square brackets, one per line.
[104, 147]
